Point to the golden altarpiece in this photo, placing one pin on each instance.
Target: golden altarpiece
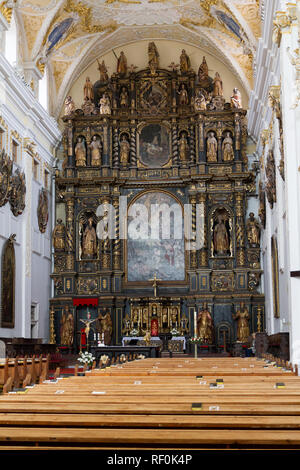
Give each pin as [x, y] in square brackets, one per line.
[154, 137]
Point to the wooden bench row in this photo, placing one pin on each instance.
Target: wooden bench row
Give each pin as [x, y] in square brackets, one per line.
[21, 372]
[158, 411]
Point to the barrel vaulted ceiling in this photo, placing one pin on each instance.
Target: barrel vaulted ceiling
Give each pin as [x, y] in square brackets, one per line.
[67, 36]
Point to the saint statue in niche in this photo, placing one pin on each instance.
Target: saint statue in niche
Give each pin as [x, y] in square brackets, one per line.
[205, 325]
[220, 237]
[183, 147]
[59, 236]
[67, 327]
[227, 148]
[253, 230]
[211, 148]
[124, 98]
[242, 317]
[104, 104]
[124, 150]
[96, 149]
[80, 152]
[89, 241]
[183, 96]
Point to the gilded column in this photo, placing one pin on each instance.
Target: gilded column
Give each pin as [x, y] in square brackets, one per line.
[202, 230]
[174, 143]
[117, 241]
[70, 143]
[70, 233]
[133, 159]
[201, 150]
[240, 230]
[193, 251]
[105, 242]
[116, 148]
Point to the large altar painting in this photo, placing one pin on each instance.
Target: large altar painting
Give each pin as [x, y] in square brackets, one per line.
[154, 146]
[155, 243]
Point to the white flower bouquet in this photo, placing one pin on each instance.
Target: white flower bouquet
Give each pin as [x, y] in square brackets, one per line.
[86, 358]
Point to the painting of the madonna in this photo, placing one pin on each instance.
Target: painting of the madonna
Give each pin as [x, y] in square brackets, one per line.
[155, 243]
[154, 146]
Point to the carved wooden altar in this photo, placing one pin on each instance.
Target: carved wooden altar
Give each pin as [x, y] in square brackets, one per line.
[156, 135]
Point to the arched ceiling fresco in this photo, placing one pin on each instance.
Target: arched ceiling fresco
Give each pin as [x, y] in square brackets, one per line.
[67, 36]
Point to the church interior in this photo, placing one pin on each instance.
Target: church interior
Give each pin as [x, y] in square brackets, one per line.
[149, 223]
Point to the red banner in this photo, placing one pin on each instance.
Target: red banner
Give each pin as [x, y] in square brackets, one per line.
[85, 301]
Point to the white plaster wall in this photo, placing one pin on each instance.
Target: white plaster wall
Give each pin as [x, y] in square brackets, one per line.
[20, 112]
[283, 221]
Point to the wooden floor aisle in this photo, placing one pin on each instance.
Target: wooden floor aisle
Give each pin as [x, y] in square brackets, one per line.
[165, 403]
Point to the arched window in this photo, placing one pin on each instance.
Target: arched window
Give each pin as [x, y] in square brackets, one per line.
[11, 43]
[43, 90]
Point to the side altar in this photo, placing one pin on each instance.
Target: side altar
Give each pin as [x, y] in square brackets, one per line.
[152, 206]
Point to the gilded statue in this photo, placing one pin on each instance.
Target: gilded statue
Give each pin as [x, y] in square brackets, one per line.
[153, 56]
[242, 317]
[59, 236]
[103, 72]
[236, 99]
[218, 85]
[124, 150]
[205, 325]
[80, 152]
[69, 106]
[211, 148]
[183, 147]
[96, 148]
[164, 317]
[89, 241]
[145, 317]
[124, 98]
[183, 96]
[67, 328]
[220, 237]
[253, 230]
[227, 148]
[104, 326]
[174, 316]
[135, 316]
[104, 104]
[203, 79]
[122, 65]
[88, 91]
[185, 63]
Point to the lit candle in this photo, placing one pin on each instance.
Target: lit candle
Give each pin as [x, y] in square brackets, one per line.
[195, 323]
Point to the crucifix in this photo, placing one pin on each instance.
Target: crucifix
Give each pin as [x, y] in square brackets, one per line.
[155, 284]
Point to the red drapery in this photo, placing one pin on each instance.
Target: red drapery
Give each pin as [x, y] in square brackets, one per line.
[85, 301]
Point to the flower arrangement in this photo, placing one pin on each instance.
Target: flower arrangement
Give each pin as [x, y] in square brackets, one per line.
[195, 340]
[175, 332]
[134, 332]
[86, 358]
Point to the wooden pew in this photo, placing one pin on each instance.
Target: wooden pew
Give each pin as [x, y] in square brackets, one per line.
[155, 403]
